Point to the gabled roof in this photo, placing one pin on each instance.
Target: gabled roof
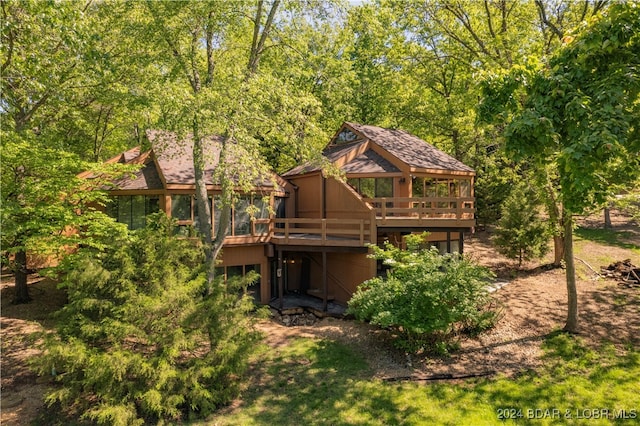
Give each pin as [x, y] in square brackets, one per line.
[174, 156]
[408, 148]
[370, 162]
[170, 163]
[145, 178]
[404, 149]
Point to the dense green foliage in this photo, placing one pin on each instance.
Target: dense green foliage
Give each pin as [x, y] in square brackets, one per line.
[521, 233]
[138, 341]
[577, 118]
[425, 297]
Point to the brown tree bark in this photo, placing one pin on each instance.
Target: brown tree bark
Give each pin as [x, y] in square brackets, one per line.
[607, 218]
[558, 250]
[571, 325]
[21, 288]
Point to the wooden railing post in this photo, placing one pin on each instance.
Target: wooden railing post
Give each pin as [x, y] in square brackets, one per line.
[286, 231]
[324, 231]
[384, 210]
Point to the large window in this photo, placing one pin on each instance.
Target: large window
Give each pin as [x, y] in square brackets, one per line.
[132, 210]
[184, 208]
[372, 187]
[431, 187]
[230, 272]
[423, 187]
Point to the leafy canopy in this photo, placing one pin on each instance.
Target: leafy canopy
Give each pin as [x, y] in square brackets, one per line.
[580, 112]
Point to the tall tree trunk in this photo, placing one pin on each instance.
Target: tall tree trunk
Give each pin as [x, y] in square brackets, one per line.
[556, 219]
[558, 249]
[202, 202]
[572, 294]
[21, 288]
[607, 218]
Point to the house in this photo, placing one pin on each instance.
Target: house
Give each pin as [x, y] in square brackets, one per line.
[314, 239]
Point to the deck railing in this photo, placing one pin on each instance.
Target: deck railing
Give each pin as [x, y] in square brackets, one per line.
[457, 208]
[338, 232]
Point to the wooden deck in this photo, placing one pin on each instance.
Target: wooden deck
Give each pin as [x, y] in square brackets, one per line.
[322, 232]
[431, 212]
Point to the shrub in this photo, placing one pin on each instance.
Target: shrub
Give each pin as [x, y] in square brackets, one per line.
[521, 233]
[139, 342]
[426, 298]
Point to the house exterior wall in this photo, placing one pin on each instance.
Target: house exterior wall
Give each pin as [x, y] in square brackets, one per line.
[251, 255]
[342, 202]
[309, 195]
[345, 272]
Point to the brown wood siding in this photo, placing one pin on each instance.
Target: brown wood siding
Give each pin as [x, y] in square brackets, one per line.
[344, 203]
[309, 202]
[345, 271]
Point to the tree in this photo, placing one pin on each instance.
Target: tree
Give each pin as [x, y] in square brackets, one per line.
[579, 116]
[521, 233]
[134, 343]
[218, 55]
[49, 52]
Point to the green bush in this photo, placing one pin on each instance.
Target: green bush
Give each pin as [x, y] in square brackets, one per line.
[139, 342]
[426, 298]
[521, 233]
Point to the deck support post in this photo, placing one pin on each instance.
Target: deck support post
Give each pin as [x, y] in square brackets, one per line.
[461, 244]
[279, 274]
[325, 288]
[448, 241]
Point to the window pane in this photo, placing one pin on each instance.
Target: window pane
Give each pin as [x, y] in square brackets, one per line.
[417, 187]
[367, 187]
[384, 187]
[454, 188]
[181, 207]
[111, 207]
[442, 188]
[234, 271]
[217, 212]
[137, 212]
[465, 188]
[253, 289]
[241, 219]
[263, 213]
[124, 210]
[196, 213]
[152, 204]
[429, 188]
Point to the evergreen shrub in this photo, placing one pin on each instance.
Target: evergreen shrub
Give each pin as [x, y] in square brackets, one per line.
[522, 234]
[138, 342]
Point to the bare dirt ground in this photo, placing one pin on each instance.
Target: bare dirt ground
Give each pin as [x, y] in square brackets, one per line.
[533, 305]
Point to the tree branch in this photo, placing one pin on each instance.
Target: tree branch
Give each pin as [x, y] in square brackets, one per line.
[543, 17]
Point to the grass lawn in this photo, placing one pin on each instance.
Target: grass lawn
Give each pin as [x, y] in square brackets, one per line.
[323, 382]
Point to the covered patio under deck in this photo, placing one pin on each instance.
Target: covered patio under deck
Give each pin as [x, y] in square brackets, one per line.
[315, 284]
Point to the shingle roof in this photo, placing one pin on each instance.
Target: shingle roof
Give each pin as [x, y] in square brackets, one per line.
[145, 178]
[369, 162]
[409, 148]
[175, 158]
[332, 153]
